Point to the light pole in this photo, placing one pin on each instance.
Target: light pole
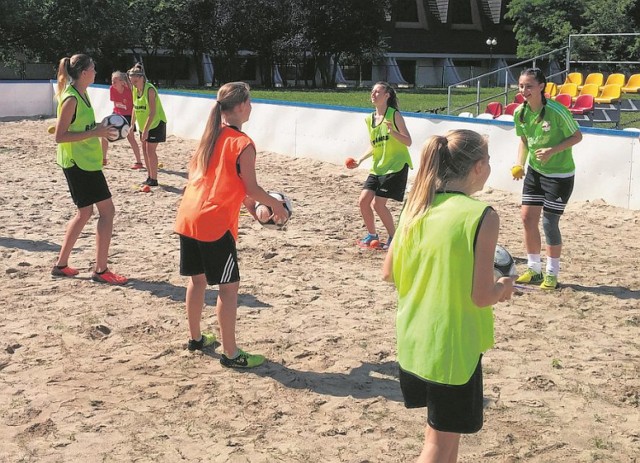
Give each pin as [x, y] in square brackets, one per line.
[491, 42]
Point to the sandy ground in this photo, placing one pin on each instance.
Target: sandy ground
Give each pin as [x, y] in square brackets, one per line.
[92, 373]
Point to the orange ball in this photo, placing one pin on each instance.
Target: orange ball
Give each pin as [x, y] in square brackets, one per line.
[146, 189]
[374, 244]
[350, 163]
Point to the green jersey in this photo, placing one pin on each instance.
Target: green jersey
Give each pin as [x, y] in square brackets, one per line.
[141, 107]
[557, 125]
[87, 153]
[440, 331]
[389, 155]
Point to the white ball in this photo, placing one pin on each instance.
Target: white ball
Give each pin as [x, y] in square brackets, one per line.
[119, 123]
[503, 263]
[265, 213]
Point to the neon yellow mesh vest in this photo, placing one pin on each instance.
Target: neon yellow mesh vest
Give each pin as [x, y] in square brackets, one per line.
[389, 155]
[141, 107]
[440, 331]
[87, 153]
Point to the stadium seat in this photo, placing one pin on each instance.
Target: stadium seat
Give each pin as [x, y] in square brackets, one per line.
[573, 78]
[518, 98]
[511, 108]
[494, 108]
[588, 89]
[593, 78]
[569, 89]
[632, 85]
[505, 117]
[610, 94]
[564, 98]
[614, 79]
[465, 114]
[484, 116]
[550, 89]
[583, 105]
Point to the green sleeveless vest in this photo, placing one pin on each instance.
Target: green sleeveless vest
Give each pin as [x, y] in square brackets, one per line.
[87, 153]
[440, 331]
[141, 107]
[389, 155]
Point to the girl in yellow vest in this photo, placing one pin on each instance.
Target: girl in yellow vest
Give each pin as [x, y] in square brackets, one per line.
[80, 156]
[222, 177]
[441, 262]
[387, 178]
[152, 122]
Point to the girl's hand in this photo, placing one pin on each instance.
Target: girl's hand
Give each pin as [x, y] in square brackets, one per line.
[517, 172]
[250, 205]
[507, 290]
[544, 154]
[280, 214]
[106, 131]
[145, 135]
[389, 125]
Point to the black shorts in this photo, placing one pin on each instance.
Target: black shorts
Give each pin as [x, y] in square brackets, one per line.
[158, 134]
[549, 192]
[455, 409]
[86, 187]
[390, 186]
[218, 260]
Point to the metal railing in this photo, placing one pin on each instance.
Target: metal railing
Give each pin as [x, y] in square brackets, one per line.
[476, 81]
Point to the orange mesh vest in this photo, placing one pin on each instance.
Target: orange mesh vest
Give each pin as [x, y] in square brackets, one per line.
[211, 204]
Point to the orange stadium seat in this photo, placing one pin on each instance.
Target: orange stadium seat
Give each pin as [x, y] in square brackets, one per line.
[610, 94]
[632, 85]
[573, 78]
[593, 78]
[615, 79]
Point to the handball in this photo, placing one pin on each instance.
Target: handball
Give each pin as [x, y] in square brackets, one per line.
[350, 163]
[119, 123]
[517, 171]
[265, 214]
[503, 263]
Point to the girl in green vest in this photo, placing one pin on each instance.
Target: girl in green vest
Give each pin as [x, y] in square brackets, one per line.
[387, 178]
[80, 156]
[441, 262]
[152, 122]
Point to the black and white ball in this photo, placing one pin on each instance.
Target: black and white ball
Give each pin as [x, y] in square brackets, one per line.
[503, 263]
[119, 123]
[264, 212]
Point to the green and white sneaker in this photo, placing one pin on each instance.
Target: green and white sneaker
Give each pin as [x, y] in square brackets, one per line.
[530, 277]
[242, 360]
[206, 340]
[550, 282]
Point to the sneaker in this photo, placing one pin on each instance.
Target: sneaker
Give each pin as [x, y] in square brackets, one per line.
[206, 340]
[387, 244]
[550, 282]
[109, 278]
[65, 271]
[530, 276]
[151, 182]
[369, 238]
[137, 166]
[242, 360]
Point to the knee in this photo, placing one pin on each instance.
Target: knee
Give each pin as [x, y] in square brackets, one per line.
[529, 219]
[365, 200]
[551, 229]
[379, 204]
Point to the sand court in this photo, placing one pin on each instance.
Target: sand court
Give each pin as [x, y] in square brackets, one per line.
[97, 373]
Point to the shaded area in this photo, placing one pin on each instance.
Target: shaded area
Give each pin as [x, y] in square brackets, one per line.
[29, 245]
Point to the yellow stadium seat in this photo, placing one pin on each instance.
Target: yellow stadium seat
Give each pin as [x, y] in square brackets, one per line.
[594, 78]
[551, 89]
[588, 89]
[615, 79]
[569, 89]
[574, 78]
[610, 94]
[633, 84]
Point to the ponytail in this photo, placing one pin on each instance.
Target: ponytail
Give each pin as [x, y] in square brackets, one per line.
[229, 96]
[63, 76]
[443, 159]
[69, 69]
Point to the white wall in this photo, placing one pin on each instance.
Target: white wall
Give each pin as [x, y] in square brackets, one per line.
[604, 159]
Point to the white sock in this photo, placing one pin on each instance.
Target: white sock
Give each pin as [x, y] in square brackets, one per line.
[553, 266]
[534, 263]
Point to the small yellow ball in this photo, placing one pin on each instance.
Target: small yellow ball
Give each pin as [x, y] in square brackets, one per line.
[517, 171]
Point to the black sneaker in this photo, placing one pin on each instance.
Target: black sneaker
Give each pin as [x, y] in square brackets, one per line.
[150, 181]
[242, 360]
[206, 340]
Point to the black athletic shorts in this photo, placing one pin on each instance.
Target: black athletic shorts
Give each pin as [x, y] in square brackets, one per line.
[86, 187]
[455, 409]
[390, 186]
[218, 260]
[549, 192]
[158, 134]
